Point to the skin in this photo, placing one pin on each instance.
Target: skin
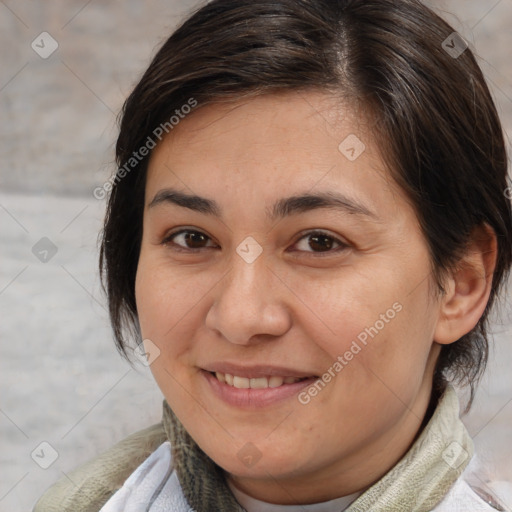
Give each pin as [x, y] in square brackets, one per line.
[298, 305]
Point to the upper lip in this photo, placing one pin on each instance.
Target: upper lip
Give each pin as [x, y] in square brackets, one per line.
[255, 371]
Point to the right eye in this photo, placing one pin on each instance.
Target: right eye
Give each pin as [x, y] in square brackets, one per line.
[187, 240]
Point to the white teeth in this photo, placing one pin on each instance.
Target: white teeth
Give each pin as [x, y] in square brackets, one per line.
[273, 381]
[259, 383]
[241, 382]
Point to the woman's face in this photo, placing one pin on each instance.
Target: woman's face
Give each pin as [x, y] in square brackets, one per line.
[276, 247]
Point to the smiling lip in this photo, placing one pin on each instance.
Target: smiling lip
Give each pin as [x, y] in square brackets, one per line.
[281, 384]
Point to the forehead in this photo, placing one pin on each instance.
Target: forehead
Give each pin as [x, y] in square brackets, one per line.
[270, 120]
[271, 145]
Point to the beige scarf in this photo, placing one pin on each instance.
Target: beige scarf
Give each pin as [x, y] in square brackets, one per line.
[417, 483]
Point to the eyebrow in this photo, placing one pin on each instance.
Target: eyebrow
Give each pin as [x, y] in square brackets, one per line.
[280, 209]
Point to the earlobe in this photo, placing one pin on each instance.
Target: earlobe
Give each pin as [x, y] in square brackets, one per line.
[468, 287]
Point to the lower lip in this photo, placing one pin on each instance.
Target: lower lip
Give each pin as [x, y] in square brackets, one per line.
[254, 398]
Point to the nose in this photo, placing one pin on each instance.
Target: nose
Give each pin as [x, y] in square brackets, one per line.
[249, 304]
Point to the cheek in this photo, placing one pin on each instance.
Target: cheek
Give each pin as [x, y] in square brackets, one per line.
[171, 305]
[374, 328]
[351, 307]
[166, 307]
[161, 300]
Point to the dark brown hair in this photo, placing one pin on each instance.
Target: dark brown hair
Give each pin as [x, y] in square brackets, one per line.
[433, 117]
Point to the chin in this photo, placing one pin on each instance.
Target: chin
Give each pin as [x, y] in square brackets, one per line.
[251, 461]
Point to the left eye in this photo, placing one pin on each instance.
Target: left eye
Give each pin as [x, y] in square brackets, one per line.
[318, 241]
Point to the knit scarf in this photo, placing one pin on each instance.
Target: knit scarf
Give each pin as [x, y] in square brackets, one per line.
[417, 483]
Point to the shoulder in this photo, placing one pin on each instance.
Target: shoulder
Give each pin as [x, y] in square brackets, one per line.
[463, 497]
[90, 486]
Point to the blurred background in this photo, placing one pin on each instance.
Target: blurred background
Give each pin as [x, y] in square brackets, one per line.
[66, 68]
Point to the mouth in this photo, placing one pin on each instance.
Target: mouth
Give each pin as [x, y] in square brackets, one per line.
[271, 381]
[254, 388]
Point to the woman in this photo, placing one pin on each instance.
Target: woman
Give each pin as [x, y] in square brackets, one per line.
[308, 228]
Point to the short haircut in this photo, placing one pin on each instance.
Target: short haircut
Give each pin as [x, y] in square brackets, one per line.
[395, 60]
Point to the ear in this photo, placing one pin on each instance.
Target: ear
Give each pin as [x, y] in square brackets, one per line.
[468, 287]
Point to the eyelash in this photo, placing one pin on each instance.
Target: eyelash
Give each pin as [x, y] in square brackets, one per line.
[341, 245]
